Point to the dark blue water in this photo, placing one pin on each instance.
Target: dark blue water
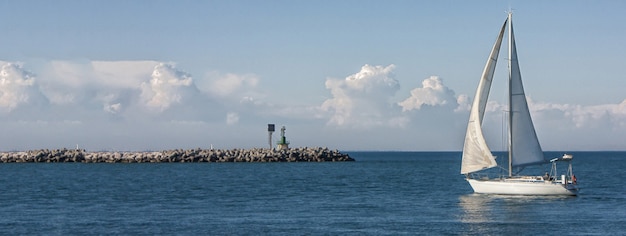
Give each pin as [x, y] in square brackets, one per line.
[382, 193]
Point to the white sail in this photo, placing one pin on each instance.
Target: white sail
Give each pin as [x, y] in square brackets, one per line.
[476, 154]
[524, 148]
[524, 145]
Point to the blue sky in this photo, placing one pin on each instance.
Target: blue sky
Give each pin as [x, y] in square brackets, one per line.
[351, 75]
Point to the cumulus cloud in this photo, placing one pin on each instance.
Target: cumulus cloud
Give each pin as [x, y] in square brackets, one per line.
[432, 93]
[17, 87]
[168, 86]
[363, 99]
[464, 103]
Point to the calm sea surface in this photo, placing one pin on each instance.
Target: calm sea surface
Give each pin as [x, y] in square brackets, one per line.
[382, 193]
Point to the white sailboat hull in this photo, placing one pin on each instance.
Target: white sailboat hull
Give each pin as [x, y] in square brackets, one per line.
[522, 187]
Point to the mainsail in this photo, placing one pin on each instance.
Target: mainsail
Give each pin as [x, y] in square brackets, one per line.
[476, 154]
[524, 145]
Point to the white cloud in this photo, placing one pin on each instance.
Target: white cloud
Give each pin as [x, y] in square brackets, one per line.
[161, 106]
[128, 74]
[613, 115]
[464, 103]
[104, 82]
[237, 93]
[570, 127]
[109, 103]
[363, 99]
[168, 86]
[373, 79]
[17, 87]
[118, 85]
[229, 84]
[580, 127]
[567, 116]
[432, 93]
[118, 90]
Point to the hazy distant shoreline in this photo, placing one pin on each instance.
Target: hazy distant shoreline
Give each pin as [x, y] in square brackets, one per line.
[303, 154]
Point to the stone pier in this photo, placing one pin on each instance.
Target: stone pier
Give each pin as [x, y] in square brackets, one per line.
[304, 154]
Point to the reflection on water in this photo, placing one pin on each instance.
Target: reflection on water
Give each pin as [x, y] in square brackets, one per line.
[475, 208]
[476, 213]
[485, 214]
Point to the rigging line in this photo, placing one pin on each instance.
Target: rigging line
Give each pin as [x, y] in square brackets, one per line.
[503, 131]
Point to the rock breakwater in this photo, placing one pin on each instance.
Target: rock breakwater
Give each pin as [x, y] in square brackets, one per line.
[305, 154]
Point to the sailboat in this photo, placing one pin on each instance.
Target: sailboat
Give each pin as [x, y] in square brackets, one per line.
[524, 149]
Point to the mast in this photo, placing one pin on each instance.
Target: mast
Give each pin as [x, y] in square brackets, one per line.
[510, 94]
[524, 147]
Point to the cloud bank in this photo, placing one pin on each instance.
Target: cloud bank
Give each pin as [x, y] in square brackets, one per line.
[156, 105]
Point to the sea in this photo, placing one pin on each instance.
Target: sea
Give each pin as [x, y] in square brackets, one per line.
[381, 193]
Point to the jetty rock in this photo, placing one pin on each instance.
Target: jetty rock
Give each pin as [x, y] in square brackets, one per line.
[302, 154]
